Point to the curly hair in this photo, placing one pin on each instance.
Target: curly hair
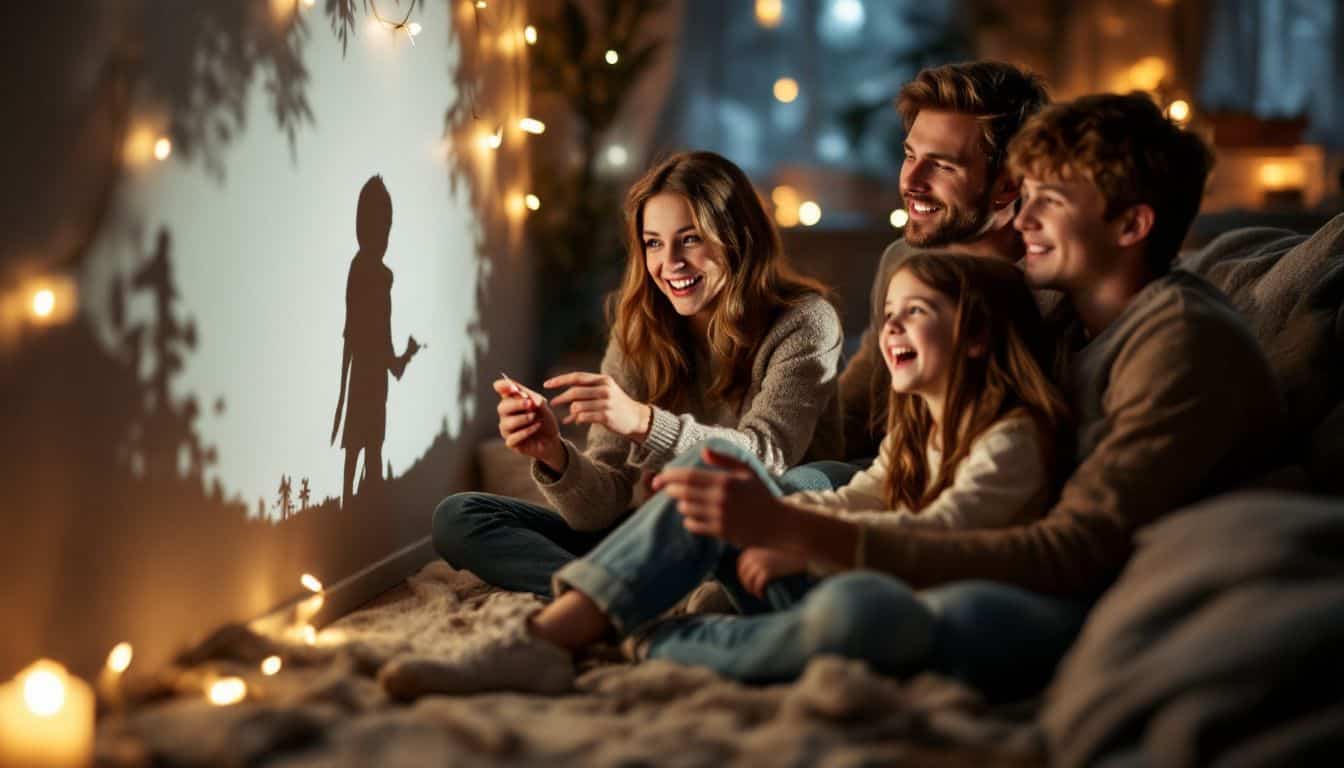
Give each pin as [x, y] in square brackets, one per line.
[1131, 152]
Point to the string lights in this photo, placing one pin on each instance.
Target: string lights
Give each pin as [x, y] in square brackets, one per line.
[411, 28]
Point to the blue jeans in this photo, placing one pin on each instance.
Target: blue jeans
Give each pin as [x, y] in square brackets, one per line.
[821, 475]
[1001, 639]
[519, 546]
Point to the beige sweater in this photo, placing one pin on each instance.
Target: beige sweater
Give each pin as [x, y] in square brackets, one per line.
[1174, 401]
[1002, 481]
[791, 406]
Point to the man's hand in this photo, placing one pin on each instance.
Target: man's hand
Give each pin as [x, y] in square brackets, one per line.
[594, 398]
[727, 502]
[758, 566]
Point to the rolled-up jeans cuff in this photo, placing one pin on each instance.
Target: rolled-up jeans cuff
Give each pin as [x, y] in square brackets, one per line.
[604, 588]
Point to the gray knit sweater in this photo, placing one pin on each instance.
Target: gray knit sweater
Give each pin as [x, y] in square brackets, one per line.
[790, 412]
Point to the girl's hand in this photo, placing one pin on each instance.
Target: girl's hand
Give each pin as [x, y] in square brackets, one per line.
[593, 398]
[729, 502]
[528, 426]
[758, 566]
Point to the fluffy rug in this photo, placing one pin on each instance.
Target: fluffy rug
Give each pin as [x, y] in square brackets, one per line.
[324, 707]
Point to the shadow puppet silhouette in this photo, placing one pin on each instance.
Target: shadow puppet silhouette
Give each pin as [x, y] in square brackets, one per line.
[368, 355]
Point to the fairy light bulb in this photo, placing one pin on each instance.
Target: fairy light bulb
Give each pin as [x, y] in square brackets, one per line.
[226, 691]
[310, 582]
[163, 148]
[120, 657]
[899, 218]
[271, 665]
[612, 56]
[809, 213]
[530, 34]
[44, 301]
[532, 125]
[533, 202]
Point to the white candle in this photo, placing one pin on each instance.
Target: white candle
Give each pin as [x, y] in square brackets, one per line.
[46, 719]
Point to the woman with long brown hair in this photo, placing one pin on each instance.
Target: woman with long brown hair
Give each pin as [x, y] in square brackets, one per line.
[974, 441]
[713, 336]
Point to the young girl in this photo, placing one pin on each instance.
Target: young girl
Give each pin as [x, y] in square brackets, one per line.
[973, 441]
[713, 336]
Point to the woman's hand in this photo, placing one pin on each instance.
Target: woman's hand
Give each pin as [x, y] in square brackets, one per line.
[728, 502]
[528, 426]
[594, 398]
[758, 566]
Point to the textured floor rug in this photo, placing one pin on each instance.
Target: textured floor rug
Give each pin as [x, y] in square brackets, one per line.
[324, 707]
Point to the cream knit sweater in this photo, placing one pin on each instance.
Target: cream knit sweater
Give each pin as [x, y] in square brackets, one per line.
[1001, 482]
[791, 411]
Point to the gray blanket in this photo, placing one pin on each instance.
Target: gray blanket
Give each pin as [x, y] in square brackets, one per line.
[1291, 289]
[1220, 645]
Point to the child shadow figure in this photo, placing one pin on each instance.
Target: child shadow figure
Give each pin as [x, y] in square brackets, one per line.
[368, 355]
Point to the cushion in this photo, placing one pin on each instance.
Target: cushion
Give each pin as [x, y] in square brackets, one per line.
[1290, 287]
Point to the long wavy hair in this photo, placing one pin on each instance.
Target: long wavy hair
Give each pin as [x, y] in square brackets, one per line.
[994, 309]
[760, 283]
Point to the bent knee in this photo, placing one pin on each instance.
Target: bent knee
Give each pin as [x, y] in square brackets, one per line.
[453, 524]
[866, 615]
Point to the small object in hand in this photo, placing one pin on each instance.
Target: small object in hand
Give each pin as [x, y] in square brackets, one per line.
[517, 390]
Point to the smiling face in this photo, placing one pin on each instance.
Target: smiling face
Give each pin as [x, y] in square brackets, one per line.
[1070, 244]
[686, 267]
[918, 336]
[943, 179]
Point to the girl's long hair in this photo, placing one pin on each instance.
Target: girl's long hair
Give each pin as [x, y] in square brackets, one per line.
[759, 285]
[994, 308]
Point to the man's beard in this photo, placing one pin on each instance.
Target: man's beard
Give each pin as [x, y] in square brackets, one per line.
[960, 224]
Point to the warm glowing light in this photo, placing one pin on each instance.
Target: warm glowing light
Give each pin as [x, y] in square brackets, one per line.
[270, 665]
[612, 56]
[530, 34]
[480, 3]
[1179, 110]
[414, 28]
[784, 195]
[809, 213]
[515, 205]
[1282, 174]
[617, 156]
[309, 634]
[899, 218]
[786, 216]
[44, 688]
[769, 12]
[44, 301]
[493, 140]
[310, 582]
[120, 657]
[1143, 75]
[532, 125]
[533, 202]
[227, 690]
[163, 148]
[309, 3]
[786, 89]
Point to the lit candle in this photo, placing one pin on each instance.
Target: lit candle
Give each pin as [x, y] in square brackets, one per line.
[46, 718]
[109, 680]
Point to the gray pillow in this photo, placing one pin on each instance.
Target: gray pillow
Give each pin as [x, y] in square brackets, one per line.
[1290, 287]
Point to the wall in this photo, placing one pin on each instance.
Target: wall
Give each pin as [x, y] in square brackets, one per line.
[169, 455]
